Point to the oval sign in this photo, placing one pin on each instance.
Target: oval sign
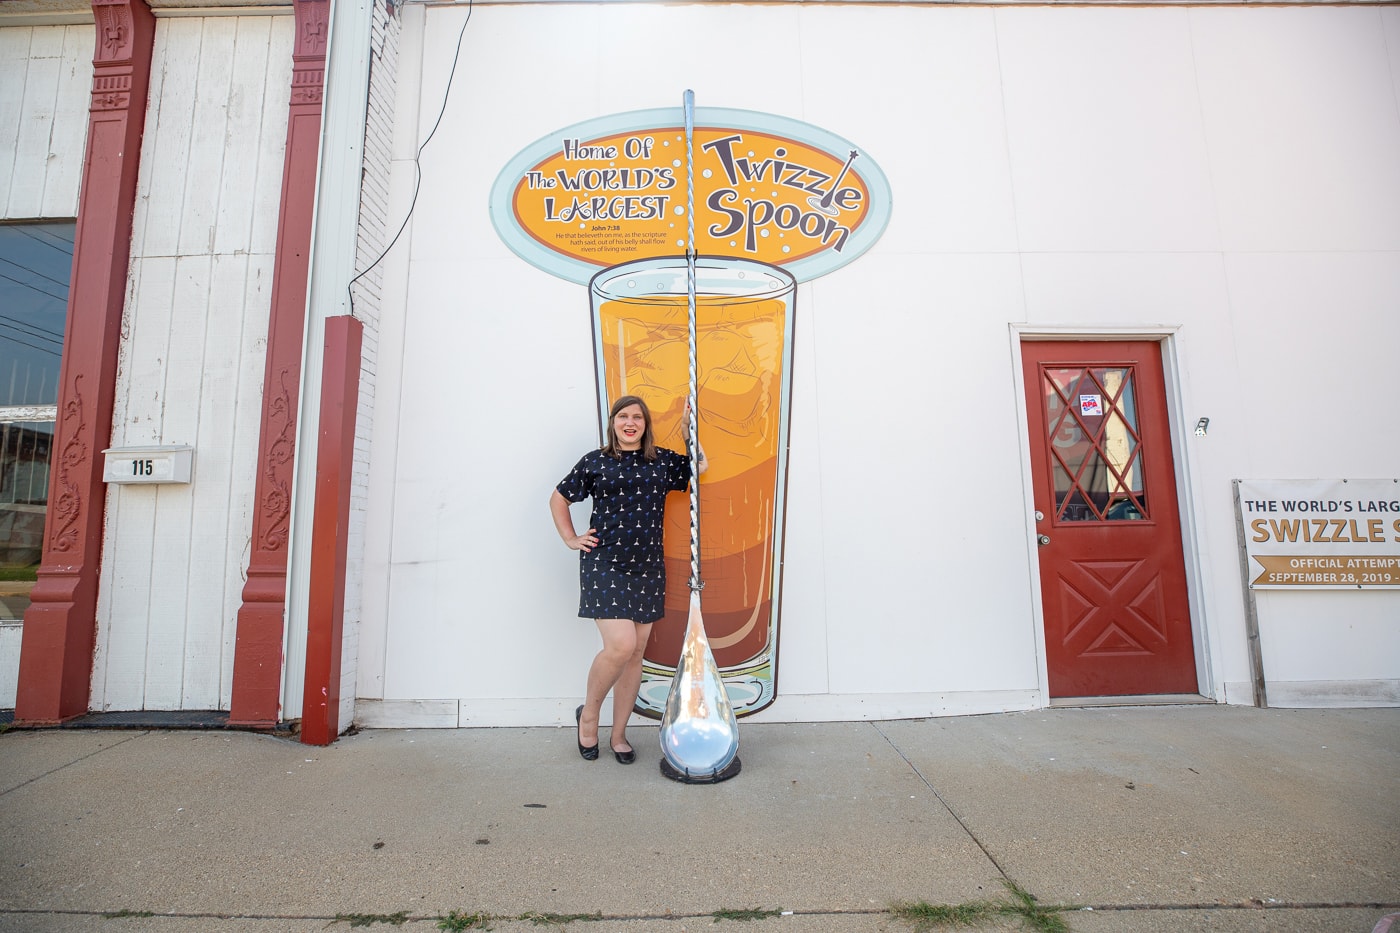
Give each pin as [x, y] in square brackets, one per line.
[613, 189]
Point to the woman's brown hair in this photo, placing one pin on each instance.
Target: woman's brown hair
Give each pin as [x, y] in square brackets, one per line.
[648, 441]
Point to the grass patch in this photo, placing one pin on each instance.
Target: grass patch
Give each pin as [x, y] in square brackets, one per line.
[21, 574]
[364, 920]
[748, 913]
[122, 914]
[540, 918]
[922, 916]
[1033, 915]
[1021, 903]
[458, 920]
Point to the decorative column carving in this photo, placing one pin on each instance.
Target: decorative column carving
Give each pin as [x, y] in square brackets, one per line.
[257, 658]
[60, 626]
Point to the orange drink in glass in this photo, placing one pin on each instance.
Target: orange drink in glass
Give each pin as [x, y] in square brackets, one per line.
[744, 312]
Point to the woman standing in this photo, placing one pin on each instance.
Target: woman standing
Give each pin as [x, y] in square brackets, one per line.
[622, 571]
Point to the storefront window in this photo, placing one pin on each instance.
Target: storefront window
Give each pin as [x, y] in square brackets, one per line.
[36, 260]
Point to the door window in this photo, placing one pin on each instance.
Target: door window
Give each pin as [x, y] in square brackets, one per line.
[1095, 445]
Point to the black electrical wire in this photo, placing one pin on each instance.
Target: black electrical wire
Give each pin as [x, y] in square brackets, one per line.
[417, 167]
[22, 343]
[34, 288]
[49, 239]
[32, 271]
[29, 330]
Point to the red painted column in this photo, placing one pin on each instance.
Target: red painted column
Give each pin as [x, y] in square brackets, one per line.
[330, 524]
[257, 655]
[60, 626]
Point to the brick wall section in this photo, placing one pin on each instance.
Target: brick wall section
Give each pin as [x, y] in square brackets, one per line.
[376, 229]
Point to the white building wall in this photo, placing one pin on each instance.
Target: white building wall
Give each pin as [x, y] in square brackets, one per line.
[1301, 114]
[191, 363]
[1228, 177]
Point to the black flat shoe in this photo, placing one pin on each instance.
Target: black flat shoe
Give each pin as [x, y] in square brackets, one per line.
[586, 752]
[625, 758]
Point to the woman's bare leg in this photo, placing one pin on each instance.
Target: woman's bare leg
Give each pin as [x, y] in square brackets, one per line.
[619, 646]
[625, 690]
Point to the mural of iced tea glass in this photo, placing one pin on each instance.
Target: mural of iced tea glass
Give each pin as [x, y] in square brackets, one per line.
[744, 314]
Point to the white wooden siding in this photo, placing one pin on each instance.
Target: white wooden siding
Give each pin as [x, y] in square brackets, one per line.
[191, 365]
[45, 80]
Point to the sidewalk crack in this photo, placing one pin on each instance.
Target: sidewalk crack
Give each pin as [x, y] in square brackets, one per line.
[947, 806]
[68, 764]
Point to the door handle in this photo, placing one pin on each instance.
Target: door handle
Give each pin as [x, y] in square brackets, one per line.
[1042, 540]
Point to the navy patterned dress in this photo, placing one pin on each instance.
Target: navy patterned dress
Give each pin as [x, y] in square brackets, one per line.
[624, 577]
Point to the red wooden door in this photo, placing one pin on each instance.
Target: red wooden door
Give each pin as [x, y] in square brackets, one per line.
[1112, 572]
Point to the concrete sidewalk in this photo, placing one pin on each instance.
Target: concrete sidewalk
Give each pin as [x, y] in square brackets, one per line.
[1157, 818]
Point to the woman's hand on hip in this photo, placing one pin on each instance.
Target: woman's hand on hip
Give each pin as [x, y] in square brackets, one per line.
[584, 542]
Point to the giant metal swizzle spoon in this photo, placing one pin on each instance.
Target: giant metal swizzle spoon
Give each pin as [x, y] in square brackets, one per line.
[699, 734]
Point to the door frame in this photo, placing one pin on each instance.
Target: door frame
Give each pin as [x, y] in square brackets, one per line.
[1196, 577]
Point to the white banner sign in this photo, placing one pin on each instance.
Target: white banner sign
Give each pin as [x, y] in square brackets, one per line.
[1321, 533]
